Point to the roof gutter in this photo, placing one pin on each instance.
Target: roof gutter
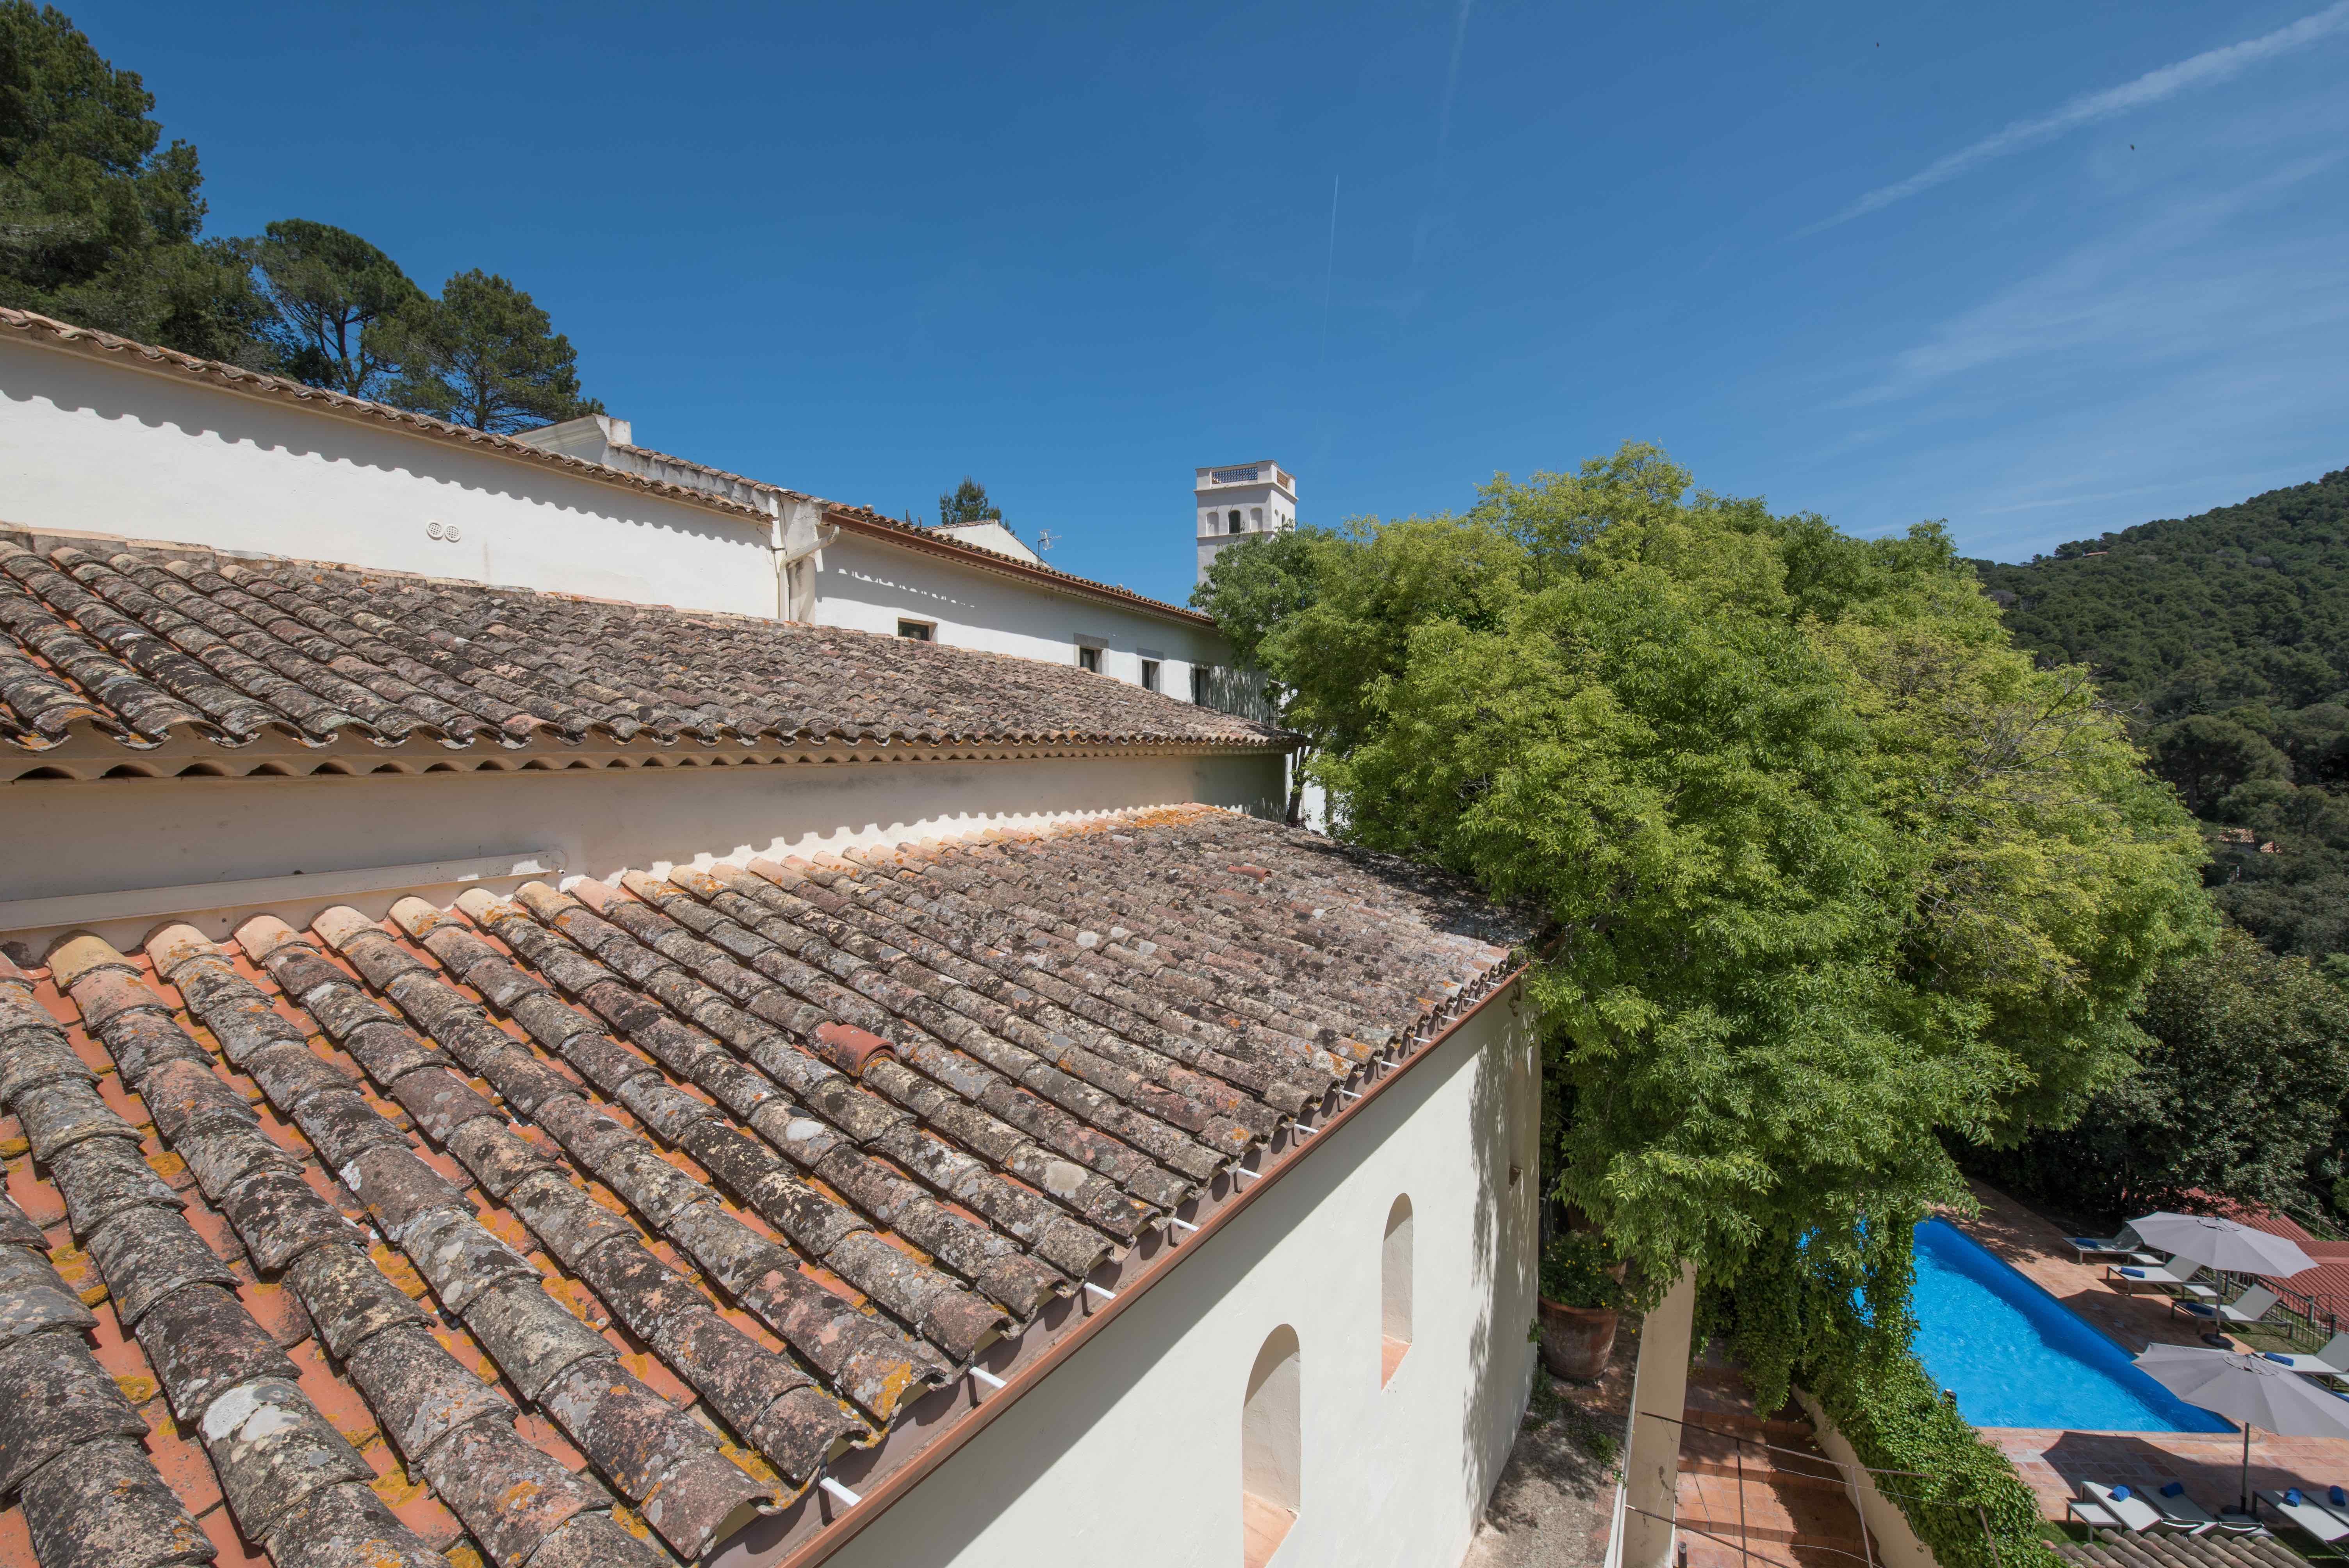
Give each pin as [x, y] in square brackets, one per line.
[900, 1482]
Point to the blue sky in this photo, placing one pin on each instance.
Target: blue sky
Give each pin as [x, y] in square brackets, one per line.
[2042, 271]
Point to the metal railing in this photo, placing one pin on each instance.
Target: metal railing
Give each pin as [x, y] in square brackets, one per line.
[1835, 1471]
[2300, 1318]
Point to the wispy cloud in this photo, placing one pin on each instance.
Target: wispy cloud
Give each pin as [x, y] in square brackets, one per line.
[2066, 501]
[1451, 75]
[2153, 292]
[1424, 228]
[2212, 66]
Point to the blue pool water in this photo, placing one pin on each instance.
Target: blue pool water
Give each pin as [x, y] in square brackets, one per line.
[2016, 1356]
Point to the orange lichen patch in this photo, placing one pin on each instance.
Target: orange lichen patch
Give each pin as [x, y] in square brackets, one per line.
[906, 1247]
[169, 1167]
[123, 1103]
[397, 1269]
[502, 1224]
[579, 1299]
[540, 1434]
[275, 1309]
[180, 1460]
[392, 1482]
[656, 1376]
[12, 1138]
[81, 1276]
[460, 1343]
[752, 1326]
[340, 1403]
[435, 1526]
[755, 1463]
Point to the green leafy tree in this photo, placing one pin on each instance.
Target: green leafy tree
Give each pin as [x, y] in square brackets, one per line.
[1836, 877]
[98, 225]
[2207, 756]
[967, 502]
[1837, 872]
[336, 298]
[2238, 1093]
[484, 354]
[1253, 588]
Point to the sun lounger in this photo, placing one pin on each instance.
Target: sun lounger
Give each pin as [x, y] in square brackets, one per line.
[2124, 1246]
[2249, 1307]
[2308, 1514]
[2091, 1514]
[2182, 1512]
[2118, 1507]
[2332, 1361]
[2176, 1276]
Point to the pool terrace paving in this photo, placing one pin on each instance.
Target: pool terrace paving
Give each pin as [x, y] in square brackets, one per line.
[2054, 1462]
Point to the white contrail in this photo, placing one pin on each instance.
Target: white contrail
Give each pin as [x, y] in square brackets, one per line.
[1452, 75]
[1329, 277]
[2201, 70]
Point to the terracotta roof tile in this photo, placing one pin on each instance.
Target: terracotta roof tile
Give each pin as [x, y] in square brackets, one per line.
[141, 643]
[647, 1205]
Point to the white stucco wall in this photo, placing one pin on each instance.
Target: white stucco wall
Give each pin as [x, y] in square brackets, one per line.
[868, 585]
[1128, 1454]
[102, 446]
[70, 836]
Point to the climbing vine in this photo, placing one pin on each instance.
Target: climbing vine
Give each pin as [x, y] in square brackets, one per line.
[1828, 1311]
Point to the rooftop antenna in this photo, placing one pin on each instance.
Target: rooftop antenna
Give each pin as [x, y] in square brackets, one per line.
[1045, 540]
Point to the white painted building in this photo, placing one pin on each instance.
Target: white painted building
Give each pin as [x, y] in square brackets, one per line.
[1241, 501]
[98, 436]
[1300, 1093]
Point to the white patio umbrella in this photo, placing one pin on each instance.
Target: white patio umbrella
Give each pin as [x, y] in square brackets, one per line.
[2250, 1389]
[2222, 1245]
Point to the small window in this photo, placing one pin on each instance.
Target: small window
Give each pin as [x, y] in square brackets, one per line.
[1089, 659]
[1236, 520]
[920, 631]
[1270, 1448]
[1394, 1291]
[1149, 675]
[1198, 686]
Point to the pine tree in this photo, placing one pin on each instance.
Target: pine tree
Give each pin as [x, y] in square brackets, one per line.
[97, 226]
[336, 298]
[967, 502]
[484, 354]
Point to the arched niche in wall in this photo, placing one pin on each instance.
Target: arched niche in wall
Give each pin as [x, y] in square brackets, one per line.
[1395, 1290]
[1271, 1450]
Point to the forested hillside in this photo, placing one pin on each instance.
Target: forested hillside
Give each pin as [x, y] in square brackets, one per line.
[2226, 639]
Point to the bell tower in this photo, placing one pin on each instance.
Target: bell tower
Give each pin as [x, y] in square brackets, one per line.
[1241, 502]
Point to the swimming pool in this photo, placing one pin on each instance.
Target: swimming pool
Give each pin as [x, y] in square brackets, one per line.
[2016, 1356]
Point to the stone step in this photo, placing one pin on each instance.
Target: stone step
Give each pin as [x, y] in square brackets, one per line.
[1746, 1424]
[1777, 1532]
[1702, 1552]
[1769, 1474]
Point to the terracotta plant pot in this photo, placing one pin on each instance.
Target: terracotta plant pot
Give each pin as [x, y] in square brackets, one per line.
[1577, 1340]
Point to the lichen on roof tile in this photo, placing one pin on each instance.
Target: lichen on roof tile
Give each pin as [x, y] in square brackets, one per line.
[797, 1140]
[148, 642]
